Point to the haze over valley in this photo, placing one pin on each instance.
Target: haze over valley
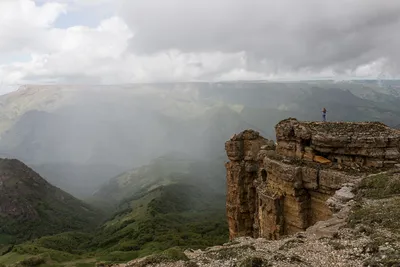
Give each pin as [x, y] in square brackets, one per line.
[79, 137]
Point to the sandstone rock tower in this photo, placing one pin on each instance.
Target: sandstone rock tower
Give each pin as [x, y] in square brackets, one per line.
[274, 191]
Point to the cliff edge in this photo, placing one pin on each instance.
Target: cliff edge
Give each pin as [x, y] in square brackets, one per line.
[284, 188]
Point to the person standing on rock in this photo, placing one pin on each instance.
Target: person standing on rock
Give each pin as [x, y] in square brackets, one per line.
[324, 114]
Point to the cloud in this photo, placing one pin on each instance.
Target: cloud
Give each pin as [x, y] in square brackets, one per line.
[76, 51]
[23, 25]
[184, 40]
[287, 35]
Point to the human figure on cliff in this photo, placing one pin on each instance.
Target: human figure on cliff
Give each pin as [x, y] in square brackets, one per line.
[324, 114]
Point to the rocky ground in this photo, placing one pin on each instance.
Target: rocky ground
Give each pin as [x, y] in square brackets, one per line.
[364, 232]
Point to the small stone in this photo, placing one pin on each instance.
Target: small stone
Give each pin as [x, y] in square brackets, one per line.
[308, 149]
[321, 160]
[269, 146]
[383, 248]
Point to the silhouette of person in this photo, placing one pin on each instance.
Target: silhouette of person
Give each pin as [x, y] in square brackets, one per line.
[324, 114]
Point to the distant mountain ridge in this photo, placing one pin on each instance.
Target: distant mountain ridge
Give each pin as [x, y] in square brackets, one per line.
[127, 126]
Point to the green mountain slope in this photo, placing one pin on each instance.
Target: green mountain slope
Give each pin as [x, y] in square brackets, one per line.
[173, 215]
[172, 202]
[31, 207]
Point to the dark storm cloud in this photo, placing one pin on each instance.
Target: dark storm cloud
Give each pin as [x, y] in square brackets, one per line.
[284, 34]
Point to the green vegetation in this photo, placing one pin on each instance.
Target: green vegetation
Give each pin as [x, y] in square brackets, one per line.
[379, 202]
[383, 213]
[160, 222]
[376, 214]
[174, 204]
[177, 215]
[31, 262]
[70, 242]
[30, 207]
[380, 186]
[53, 219]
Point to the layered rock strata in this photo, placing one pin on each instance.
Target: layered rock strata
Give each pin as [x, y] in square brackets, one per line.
[354, 144]
[275, 191]
[242, 170]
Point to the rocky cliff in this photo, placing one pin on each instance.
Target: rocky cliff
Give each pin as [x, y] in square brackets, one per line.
[275, 191]
[352, 144]
[242, 171]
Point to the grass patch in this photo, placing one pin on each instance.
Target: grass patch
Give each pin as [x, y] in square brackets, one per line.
[175, 254]
[119, 256]
[71, 242]
[378, 203]
[380, 186]
[85, 265]
[31, 262]
[384, 213]
[51, 254]
[12, 258]
[4, 249]
[377, 209]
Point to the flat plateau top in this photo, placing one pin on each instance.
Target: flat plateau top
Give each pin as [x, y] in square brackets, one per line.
[341, 128]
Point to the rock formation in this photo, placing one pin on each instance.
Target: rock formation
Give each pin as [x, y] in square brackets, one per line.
[354, 144]
[274, 191]
[242, 170]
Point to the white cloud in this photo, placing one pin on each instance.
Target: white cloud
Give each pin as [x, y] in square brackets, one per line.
[186, 42]
[290, 35]
[100, 55]
[57, 54]
[24, 26]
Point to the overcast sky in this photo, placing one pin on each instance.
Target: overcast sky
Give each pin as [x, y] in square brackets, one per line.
[125, 41]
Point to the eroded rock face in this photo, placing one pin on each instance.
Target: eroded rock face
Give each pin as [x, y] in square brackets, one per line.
[354, 144]
[242, 170]
[283, 189]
